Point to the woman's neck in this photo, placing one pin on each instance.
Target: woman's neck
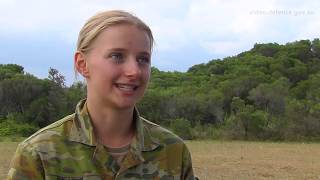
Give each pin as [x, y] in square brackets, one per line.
[112, 127]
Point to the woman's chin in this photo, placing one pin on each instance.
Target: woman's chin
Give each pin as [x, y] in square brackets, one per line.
[125, 104]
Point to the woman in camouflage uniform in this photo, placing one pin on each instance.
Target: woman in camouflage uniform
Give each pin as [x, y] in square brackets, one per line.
[106, 138]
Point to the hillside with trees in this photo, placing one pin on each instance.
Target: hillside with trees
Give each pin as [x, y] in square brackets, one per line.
[271, 92]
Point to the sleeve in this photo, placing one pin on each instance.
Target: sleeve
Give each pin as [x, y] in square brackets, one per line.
[187, 170]
[26, 164]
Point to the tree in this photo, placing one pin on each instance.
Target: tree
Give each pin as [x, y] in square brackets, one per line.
[315, 47]
[56, 77]
[268, 50]
[73, 94]
[18, 92]
[245, 121]
[271, 97]
[300, 50]
[10, 70]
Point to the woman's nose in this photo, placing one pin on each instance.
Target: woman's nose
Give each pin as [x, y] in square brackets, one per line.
[132, 68]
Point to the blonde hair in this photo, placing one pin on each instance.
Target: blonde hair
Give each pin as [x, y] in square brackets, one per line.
[99, 22]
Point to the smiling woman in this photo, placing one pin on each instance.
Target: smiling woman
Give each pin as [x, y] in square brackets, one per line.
[106, 138]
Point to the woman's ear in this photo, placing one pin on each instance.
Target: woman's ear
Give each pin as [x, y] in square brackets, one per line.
[81, 64]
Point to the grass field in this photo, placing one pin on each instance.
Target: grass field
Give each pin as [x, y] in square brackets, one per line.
[255, 160]
[236, 160]
[6, 151]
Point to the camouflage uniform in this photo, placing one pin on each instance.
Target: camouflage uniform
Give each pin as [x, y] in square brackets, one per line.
[68, 149]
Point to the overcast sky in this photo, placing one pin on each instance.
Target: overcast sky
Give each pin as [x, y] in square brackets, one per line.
[39, 34]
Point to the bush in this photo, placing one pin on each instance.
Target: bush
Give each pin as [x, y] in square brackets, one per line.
[10, 127]
[206, 131]
[182, 128]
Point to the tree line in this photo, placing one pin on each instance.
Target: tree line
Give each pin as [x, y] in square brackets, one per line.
[271, 92]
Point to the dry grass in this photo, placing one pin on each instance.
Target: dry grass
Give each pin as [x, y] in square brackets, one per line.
[6, 151]
[235, 160]
[255, 160]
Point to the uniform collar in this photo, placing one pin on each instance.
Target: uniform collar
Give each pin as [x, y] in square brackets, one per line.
[82, 131]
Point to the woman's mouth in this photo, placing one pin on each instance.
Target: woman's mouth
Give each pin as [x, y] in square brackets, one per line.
[126, 87]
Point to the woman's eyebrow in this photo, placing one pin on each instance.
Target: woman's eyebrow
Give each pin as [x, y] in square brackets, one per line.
[124, 50]
[145, 53]
[117, 49]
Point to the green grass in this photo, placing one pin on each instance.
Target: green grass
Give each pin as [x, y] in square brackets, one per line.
[11, 139]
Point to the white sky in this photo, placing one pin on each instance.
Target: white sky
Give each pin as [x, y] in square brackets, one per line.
[39, 34]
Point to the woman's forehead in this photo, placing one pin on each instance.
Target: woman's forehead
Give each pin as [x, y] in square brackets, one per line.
[123, 35]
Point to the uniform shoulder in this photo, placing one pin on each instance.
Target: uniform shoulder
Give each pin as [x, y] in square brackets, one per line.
[53, 132]
[161, 134]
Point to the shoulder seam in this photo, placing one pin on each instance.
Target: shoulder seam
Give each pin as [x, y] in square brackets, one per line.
[149, 122]
[51, 126]
[153, 127]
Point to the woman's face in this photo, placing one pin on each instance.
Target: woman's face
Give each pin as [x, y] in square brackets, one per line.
[119, 65]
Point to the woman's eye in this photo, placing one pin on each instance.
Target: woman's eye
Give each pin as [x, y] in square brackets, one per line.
[143, 60]
[117, 57]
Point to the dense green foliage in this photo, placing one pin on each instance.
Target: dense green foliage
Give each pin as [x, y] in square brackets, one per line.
[271, 92]
[28, 103]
